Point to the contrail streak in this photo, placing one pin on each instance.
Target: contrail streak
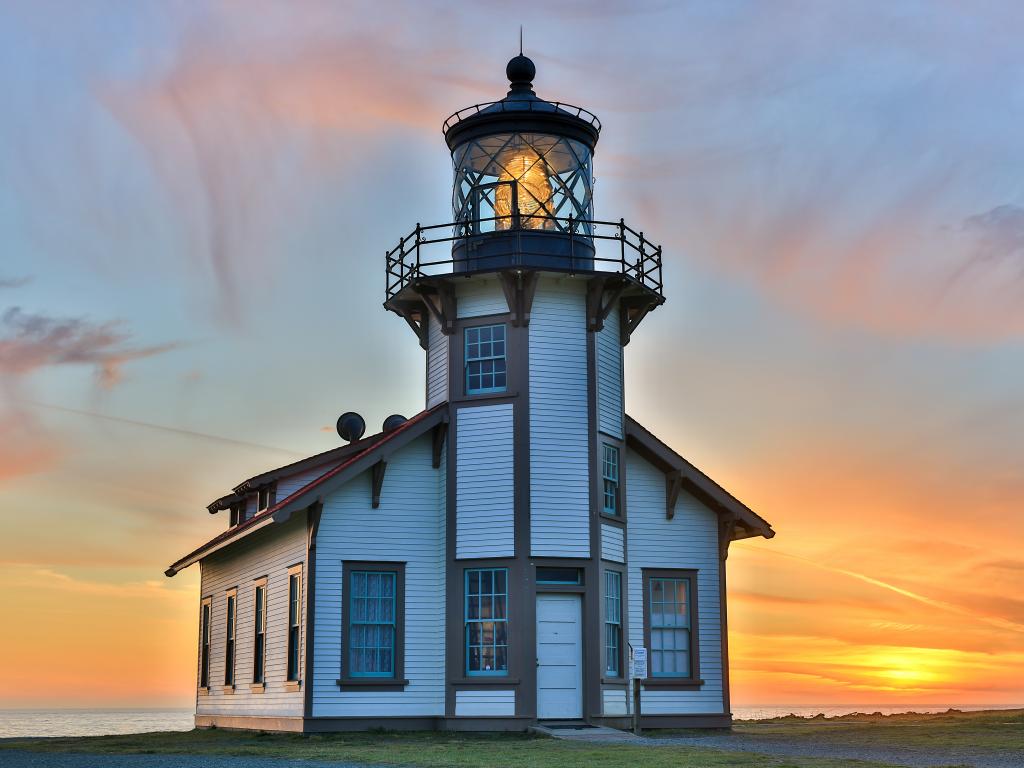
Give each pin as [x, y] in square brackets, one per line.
[993, 620]
[162, 428]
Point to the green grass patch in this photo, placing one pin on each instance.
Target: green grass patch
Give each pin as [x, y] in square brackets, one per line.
[992, 730]
[425, 750]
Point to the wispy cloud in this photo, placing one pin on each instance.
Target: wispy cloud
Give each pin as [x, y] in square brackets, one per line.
[189, 433]
[33, 341]
[999, 233]
[245, 131]
[14, 282]
[30, 342]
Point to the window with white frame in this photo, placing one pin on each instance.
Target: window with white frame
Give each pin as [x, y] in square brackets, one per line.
[264, 498]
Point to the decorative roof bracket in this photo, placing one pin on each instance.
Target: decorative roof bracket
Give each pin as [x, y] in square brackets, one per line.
[377, 482]
[519, 287]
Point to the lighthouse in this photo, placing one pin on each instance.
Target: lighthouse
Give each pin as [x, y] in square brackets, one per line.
[489, 563]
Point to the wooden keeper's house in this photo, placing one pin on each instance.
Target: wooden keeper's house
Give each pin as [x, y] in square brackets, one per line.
[490, 562]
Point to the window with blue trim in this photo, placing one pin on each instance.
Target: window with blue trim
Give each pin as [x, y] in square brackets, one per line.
[610, 476]
[371, 630]
[485, 359]
[670, 627]
[613, 623]
[487, 621]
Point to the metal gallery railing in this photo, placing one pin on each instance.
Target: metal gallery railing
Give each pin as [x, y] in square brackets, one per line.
[422, 254]
[523, 105]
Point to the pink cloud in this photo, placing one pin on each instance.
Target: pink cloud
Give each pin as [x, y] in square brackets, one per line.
[35, 341]
[246, 132]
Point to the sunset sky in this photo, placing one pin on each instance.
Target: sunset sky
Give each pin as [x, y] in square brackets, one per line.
[196, 199]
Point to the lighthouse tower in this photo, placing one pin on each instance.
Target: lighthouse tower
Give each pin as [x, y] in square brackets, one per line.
[523, 305]
[496, 560]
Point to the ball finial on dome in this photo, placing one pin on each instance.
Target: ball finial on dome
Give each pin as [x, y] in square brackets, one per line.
[521, 71]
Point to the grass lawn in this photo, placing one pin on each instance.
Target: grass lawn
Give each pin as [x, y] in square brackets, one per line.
[429, 750]
[997, 732]
[994, 730]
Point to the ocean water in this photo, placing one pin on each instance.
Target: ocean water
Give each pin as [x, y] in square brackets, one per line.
[91, 722]
[765, 713]
[105, 722]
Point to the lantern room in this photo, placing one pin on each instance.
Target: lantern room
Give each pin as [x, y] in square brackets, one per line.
[522, 204]
[523, 186]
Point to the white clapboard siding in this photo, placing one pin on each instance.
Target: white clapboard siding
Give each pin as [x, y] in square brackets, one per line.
[485, 703]
[615, 701]
[688, 540]
[289, 484]
[559, 429]
[609, 377]
[480, 296]
[484, 486]
[437, 364]
[612, 543]
[408, 527]
[268, 552]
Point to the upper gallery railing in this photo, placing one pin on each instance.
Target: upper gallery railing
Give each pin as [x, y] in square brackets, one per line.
[523, 105]
[417, 255]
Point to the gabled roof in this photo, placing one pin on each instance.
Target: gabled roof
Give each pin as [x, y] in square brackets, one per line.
[325, 459]
[346, 462]
[747, 522]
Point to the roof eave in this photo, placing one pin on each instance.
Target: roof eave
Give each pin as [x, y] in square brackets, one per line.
[213, 546]
[720, 499]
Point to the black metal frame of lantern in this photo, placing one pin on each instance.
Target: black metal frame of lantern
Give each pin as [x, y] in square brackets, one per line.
[519, 163]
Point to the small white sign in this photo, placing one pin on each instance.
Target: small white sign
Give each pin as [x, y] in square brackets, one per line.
[640, 663]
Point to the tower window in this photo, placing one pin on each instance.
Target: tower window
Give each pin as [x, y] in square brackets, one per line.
[610, 475]
[613, 623]
[485, 359]
[487, 621]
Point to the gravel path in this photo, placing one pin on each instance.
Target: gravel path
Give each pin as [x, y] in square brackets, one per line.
[916, 757]
[18, 759]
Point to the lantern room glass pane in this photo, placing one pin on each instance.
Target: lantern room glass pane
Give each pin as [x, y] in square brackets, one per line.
[522, 181]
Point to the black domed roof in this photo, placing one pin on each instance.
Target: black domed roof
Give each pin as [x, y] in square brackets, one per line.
[520, 71]
[522, 110]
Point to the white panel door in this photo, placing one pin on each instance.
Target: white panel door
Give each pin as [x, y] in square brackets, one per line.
[559, 657]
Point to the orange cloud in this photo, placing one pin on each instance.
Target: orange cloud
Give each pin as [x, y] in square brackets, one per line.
[246, 132]
[35, 341]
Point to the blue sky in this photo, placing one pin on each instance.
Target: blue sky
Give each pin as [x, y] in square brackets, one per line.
[198, 197]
